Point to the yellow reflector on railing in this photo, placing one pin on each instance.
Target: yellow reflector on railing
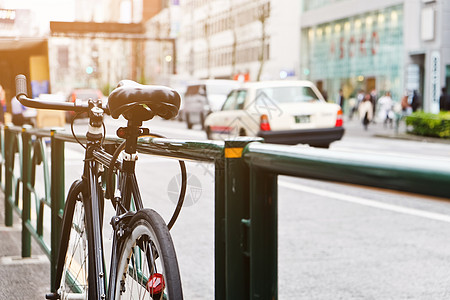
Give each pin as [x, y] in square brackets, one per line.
[233, 152]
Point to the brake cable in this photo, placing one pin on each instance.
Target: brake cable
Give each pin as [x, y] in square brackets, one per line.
[73, 131]
[182, 195]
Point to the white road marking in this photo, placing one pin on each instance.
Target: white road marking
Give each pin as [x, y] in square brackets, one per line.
[366, 202]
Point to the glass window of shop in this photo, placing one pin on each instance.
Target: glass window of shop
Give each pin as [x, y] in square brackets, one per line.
[313, 4]
[361, 52]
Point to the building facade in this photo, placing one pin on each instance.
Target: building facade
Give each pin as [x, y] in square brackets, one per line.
[96, 59]
[228, 38]
[22, 51]
[386, 45]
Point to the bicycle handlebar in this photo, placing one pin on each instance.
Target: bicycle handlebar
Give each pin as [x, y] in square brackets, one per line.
[21, 85]
[21, 95]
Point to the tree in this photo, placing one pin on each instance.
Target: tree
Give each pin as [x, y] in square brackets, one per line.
[207, 32]
[263, 14]
[208, 46]
[232, 24]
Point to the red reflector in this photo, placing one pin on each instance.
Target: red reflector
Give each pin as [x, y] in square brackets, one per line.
[264, 123]
[122, 132]
[339, 119]
[156, 284]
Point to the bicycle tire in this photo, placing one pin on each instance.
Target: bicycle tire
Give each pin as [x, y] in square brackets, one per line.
[73, 275]
[147, 230]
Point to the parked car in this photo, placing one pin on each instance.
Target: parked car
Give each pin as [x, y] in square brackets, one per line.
[82, 95]
[281, 112]
[203, 97]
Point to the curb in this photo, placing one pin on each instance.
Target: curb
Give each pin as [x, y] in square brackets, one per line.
[412, 137]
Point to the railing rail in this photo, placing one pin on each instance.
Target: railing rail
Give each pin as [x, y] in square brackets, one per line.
[246, 192]
[425, 176]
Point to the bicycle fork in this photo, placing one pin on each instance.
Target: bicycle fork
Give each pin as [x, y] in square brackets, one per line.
[94, 215]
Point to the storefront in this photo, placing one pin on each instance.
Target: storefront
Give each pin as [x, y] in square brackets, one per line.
[28, 56]
[360, 52]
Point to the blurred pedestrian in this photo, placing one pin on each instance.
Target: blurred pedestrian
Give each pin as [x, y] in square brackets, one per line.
[353, 107]
[386, 114]
[17, 110]
[416, 102]
[340, 99]
[360, 96]
[444, 100]
[2, 104]
[406, 107]
[359, 100]
[366, 111]
[373, 99]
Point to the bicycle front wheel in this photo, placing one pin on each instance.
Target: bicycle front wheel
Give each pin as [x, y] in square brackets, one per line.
[74, 275]
[147, 266]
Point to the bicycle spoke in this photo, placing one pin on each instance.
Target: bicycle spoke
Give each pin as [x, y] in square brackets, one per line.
[143, 269]
[74, 278]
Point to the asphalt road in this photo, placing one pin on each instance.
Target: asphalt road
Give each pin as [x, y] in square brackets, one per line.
[336, 241]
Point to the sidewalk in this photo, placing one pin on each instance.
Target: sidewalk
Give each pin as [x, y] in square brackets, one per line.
[21, 279]
[354, 128]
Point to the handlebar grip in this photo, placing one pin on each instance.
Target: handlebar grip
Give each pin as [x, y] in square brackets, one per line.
[21, 85]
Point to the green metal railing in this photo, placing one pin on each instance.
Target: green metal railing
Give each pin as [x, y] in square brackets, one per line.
[246, 194]
[22, 153]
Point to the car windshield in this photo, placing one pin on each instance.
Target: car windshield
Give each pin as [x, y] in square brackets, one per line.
[288, 94]
[195, 89]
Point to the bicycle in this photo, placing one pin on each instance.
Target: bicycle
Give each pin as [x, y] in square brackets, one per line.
[143, 260]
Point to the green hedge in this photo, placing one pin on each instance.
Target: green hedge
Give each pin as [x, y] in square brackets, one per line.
[428, 124]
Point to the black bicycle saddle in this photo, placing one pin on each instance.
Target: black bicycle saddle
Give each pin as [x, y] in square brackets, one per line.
[140, 102]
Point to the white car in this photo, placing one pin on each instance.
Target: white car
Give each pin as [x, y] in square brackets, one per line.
[281, 112]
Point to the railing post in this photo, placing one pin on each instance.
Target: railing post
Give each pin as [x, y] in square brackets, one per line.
[263, 234]
[57, 200]
[236, 210]
[219, 230]
[26, 194]
[9, 152]
[237, 219]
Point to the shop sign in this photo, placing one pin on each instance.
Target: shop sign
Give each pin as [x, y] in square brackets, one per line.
[349, 47]
[435, 81]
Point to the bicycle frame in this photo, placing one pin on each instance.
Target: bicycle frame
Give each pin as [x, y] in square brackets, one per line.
[95, 158]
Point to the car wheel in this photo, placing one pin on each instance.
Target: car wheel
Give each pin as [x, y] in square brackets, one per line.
[188, 122]
[208, 133]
